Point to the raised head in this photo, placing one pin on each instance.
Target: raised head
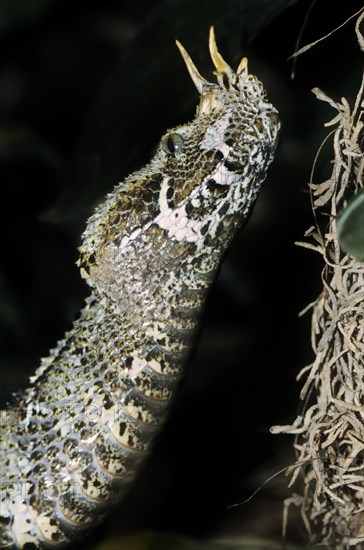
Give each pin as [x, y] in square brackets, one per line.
[223, 153]
[199, 187]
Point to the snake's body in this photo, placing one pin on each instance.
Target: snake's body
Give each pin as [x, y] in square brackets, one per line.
[73, 441]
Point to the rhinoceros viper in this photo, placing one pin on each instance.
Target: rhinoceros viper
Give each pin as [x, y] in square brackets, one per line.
[72, 442]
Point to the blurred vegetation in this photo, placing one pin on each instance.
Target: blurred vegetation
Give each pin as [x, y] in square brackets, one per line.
[154, 541]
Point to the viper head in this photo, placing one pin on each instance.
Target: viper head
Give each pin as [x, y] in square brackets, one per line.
[214, 165]
[202, 182]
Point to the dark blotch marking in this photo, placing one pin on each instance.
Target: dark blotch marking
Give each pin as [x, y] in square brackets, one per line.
[4, 520]
[233, 166]
[219, 155]
[230, 142]
[39, 468]
[189, 208]
[32, 427]
[208, 240]
[213, 187]
[36, 455]
[107, 402]
[122, 428]
[148, 195]
[223, 209]
[170, 193]
[154, 183]
[205, 228]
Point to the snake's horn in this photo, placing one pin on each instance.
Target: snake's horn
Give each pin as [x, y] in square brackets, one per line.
[243, 66]
[218, 60]
[198, 80]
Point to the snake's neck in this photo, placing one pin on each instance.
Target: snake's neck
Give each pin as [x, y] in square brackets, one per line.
[104, 390]
[155, 288]
[136, 329]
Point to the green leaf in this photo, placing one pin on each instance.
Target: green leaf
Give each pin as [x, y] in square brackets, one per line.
[350, 226]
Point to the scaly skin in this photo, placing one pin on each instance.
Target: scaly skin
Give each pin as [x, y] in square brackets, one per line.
[73, 442]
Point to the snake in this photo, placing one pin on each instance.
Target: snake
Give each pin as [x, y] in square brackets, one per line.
[73, 442]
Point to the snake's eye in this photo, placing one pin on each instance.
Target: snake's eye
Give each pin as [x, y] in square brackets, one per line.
[173, 143]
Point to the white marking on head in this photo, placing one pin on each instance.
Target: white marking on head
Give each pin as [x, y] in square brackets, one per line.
[175, 221]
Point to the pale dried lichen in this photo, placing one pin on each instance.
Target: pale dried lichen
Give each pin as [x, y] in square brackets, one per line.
[330, 433]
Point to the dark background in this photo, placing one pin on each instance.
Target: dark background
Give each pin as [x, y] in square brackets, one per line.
[86, 90]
